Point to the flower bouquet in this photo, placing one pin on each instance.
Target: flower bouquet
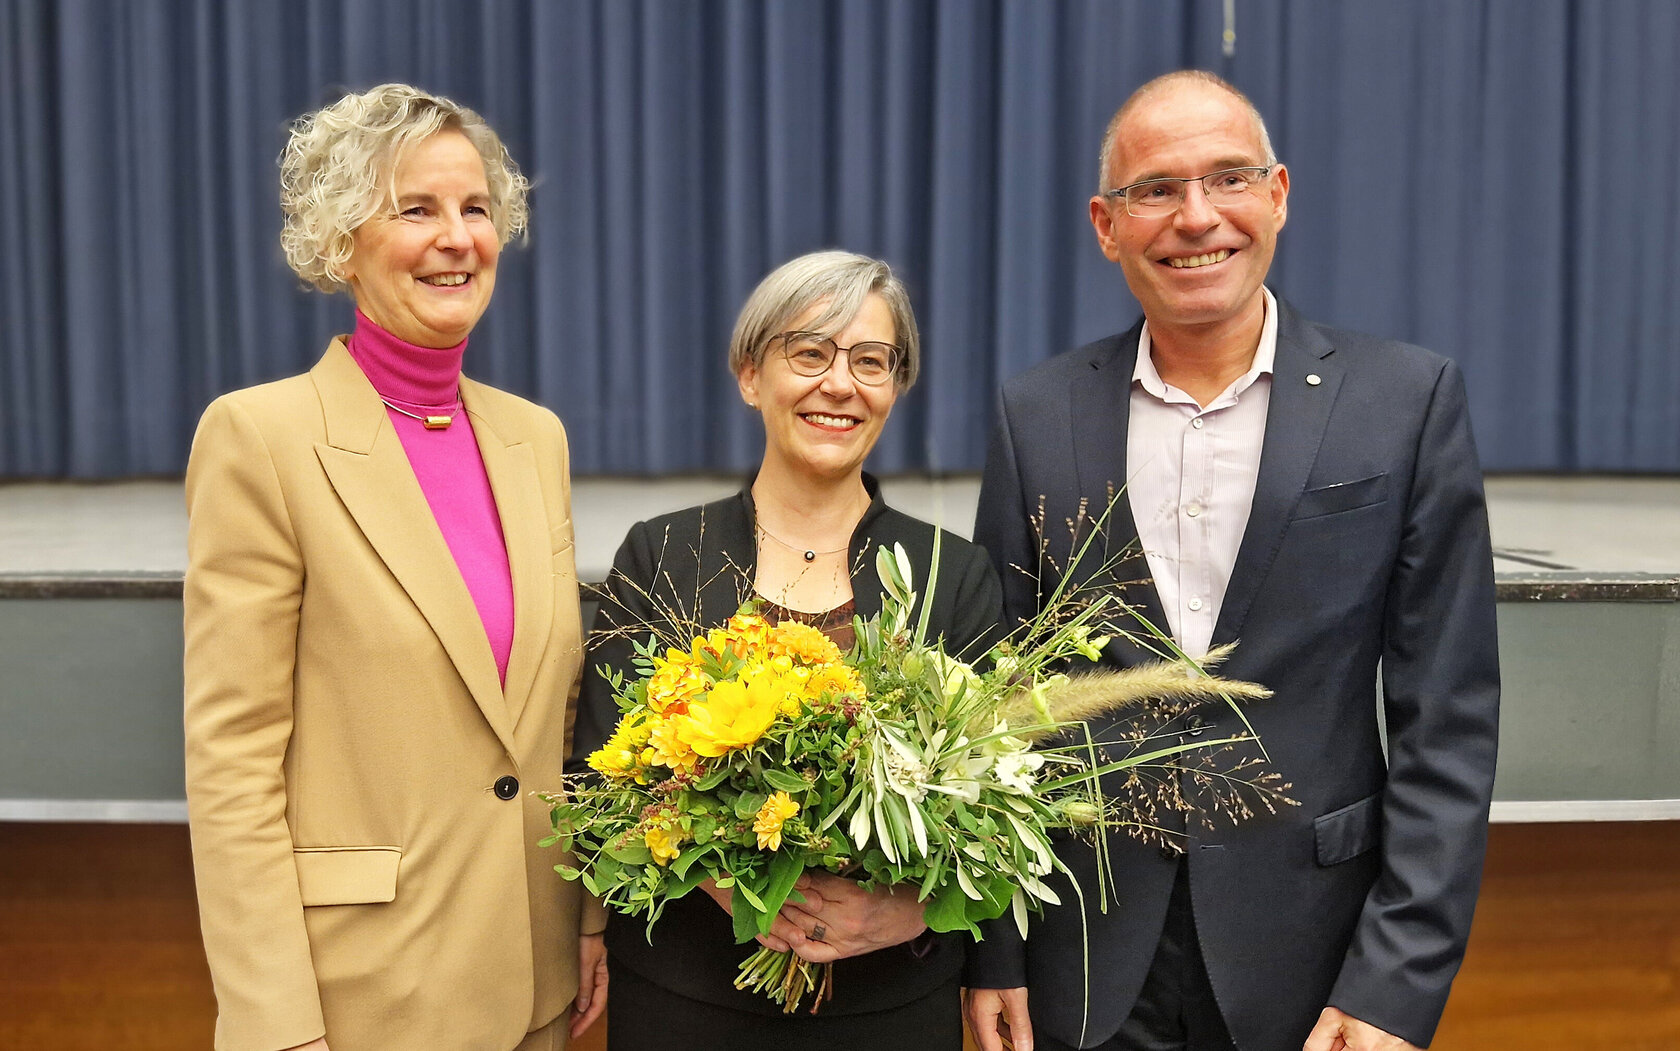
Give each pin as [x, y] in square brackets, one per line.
[759, 750]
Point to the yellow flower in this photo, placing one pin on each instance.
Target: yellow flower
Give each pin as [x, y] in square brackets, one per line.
[733, 715]
[768, 824]
[668, 746]
[836, 680]
[664, 843]
[676, 680]
[745, 633]
[803, 643]
[619, 756]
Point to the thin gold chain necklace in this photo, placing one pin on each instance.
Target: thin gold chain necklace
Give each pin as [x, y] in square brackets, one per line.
[438, 422]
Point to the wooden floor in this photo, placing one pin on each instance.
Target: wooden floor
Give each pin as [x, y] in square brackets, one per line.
[1576, 945]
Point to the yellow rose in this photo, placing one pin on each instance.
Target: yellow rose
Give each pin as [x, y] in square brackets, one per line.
[733, 715]
[620, 756]
[676, 680]
[835, 680]
[771, 816]
[664, 843]
[668, 746]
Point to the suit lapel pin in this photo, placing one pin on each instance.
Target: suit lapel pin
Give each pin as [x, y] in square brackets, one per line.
[1313, 380]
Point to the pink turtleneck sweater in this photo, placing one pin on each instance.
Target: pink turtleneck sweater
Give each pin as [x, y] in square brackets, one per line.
[448, 466]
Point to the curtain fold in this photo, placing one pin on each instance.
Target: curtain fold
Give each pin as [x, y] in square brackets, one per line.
[1489, 178]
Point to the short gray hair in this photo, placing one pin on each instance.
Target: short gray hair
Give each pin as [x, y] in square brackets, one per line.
[1111, 134]
[337, 167]
[840, 281]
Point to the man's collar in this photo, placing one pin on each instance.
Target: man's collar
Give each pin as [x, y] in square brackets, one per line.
[1265, 354]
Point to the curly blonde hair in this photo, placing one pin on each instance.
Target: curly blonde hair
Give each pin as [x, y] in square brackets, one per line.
[337, 169]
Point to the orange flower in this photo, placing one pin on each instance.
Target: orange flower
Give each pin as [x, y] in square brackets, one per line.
[676, 680]
[803, 643]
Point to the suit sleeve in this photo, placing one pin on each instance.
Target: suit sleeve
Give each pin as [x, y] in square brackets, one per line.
[1441, 698]
[243, 589]
[592, 912]
[1003, 523]
[977, 614]
[1001, 526]
[626, 605]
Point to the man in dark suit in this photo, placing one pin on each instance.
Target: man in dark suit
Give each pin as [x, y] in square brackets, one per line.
[1314, 494]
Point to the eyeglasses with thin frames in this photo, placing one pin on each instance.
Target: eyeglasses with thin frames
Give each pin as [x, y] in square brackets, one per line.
[1158, 198]
[870, 363]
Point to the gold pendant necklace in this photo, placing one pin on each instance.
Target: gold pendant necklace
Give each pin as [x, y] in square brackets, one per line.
[433, 423]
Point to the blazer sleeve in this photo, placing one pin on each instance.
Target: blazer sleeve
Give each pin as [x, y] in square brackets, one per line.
[626, 604]
[976, 620]
[1440, 677]
[999, 959]
[244, 585]
[1003, 523]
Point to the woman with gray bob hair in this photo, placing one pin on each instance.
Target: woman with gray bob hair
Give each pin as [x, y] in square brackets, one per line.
[822, 349]
[839, 281]
[382, 631]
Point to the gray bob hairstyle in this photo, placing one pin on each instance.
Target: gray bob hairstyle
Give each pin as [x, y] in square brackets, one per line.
[838, 280]
[337, 169]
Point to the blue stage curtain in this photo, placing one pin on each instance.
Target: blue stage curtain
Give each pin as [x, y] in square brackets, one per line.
[1490, 178]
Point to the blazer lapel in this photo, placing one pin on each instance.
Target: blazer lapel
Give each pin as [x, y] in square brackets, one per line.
[1296, 416]
[514, 482]
[1102, 403]
[365, 462]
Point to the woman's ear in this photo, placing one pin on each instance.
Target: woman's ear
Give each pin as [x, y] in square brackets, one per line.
[747, 379]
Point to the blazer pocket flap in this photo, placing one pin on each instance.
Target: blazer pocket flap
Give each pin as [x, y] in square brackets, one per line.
[347, 875]
[1342, 496]
[1348, 832]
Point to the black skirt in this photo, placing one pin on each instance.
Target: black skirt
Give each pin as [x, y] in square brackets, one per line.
[643, 1016]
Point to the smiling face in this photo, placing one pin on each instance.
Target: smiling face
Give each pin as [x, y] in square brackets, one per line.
[425, 273]
[1201, 266]
[822, 426]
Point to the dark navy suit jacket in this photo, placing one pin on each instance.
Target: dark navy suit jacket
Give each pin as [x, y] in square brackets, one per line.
[1367, 548]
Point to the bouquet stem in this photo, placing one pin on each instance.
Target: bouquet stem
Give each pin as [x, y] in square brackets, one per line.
[786, 978]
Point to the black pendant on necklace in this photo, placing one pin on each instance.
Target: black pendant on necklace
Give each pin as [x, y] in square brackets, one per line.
[810, 556]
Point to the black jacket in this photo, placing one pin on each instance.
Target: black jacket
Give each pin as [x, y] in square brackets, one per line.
[1367, 546]
[699, 562]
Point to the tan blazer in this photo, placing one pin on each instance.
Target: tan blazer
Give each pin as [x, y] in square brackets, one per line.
[358, 872]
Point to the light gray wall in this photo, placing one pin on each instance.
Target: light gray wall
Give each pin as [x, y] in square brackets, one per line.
[90, 707]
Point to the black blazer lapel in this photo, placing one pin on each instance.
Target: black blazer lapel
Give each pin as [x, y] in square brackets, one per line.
[1101, 401]
[1305, 379]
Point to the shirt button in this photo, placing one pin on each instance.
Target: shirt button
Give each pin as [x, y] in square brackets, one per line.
[507, 787]
[1195, 603]
[1196, 423]
[1193, 510]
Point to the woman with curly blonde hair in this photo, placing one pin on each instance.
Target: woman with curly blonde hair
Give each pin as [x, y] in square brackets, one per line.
[382, 631]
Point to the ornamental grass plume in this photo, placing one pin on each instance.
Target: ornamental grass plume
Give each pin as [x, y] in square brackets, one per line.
[1069, 699]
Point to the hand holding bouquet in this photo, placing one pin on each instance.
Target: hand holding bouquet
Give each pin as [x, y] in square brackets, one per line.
[759, 751]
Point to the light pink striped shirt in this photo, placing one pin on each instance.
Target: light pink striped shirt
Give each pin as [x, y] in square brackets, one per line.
[1191, 477]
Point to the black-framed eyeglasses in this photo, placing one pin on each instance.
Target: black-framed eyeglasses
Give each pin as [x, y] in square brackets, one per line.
[1156, 198]
[809, 354]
